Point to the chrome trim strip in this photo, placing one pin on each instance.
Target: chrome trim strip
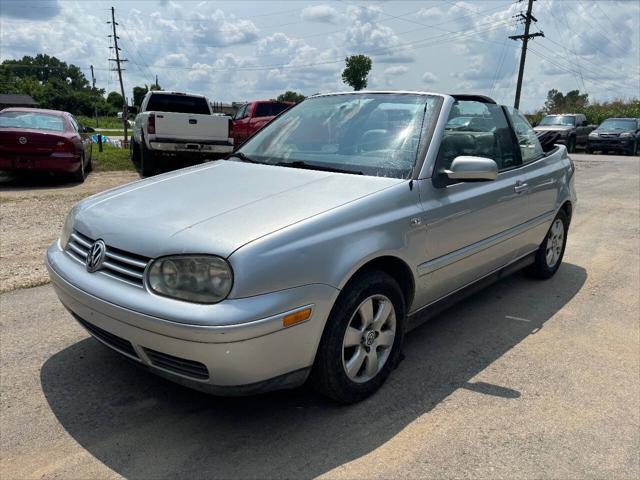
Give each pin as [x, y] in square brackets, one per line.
[122, 270]
[123, 259]
[457, 255]
[80, 240]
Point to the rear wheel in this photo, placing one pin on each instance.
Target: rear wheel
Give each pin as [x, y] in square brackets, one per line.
[551, 251]
[147, 167]
[90, 162]
[362, 340]
[134, 153]
[80, 174]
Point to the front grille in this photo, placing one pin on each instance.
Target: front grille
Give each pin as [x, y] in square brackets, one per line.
[110, 339]
[125, 266]
[188, 368]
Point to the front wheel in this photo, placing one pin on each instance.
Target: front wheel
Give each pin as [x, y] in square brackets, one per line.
[362, 340]
[571, 145]
[634, 149]
[551, 251]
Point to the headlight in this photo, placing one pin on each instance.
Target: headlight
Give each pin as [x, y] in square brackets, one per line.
[626, 135]
[194, 278]
[593, 134]
[67, 229]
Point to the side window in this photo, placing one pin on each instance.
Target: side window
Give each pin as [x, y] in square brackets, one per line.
[530, 147]
[480, 130]
[74, 124]
[241, 112]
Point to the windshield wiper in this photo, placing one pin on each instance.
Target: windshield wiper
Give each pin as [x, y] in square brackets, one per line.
[314, 166]
[245, 158]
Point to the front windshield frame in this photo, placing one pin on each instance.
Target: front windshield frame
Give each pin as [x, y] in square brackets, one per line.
[422, 130]
[555, 120]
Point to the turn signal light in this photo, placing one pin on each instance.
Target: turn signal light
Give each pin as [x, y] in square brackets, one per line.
[297, 317]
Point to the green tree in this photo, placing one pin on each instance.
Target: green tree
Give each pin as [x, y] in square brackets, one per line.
[138, 95]
[573, 101]
[290, 96]
[115, 100]
[356, 71]
[52, 83]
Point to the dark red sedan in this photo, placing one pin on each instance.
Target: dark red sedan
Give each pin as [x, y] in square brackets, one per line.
[33, 139]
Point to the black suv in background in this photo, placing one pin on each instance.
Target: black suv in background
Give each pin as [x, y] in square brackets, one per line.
[616, 134]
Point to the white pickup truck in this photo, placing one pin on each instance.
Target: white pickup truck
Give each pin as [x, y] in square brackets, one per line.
[177, 129]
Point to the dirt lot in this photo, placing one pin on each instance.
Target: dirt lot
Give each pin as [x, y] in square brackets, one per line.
[526, 379]
[32, 212]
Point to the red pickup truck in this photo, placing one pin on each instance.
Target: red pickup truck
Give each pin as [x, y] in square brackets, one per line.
[252, 116]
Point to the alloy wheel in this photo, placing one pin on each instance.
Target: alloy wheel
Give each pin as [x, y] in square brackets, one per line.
[369, 338]
[555, 242]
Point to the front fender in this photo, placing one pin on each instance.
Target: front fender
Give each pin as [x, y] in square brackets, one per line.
[331, 247]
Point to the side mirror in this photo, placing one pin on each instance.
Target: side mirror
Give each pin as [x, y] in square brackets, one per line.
[472, 169]
[87, 130]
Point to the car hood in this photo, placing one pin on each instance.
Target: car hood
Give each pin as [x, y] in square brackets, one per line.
[215, 208]
[552, 128]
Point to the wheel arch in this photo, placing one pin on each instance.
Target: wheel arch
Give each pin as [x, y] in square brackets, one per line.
[394, 266]
[567, 208]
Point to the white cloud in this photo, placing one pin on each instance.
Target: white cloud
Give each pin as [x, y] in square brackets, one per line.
[365, 34]
[219, 30]
[395, 71]
[320, 13]
[429, 78]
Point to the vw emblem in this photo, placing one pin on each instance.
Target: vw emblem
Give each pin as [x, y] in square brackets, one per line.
[95, 256]
[22, 140]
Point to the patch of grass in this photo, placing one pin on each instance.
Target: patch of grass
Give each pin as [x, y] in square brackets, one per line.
[111, 158]
[103, 122]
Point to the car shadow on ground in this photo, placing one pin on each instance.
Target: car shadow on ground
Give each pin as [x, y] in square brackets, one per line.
[142, 426]
[35, 181]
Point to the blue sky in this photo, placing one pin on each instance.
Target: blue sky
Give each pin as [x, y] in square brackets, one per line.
[243, 50]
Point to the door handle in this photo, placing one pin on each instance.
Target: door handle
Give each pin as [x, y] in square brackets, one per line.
[521, 187]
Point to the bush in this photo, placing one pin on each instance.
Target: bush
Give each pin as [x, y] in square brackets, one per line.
[597, 112]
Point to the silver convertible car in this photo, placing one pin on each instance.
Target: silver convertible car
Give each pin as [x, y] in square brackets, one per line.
[309, 252]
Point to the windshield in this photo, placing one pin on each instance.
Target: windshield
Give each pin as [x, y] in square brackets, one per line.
[558, 120]
[178, 104]
[32, 120]
[618, 124]
[373, 134]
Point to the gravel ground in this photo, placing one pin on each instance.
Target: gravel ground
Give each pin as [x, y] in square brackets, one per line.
[526, 379]
[32, 212]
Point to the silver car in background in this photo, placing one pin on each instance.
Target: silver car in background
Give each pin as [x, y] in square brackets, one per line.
[309, 253]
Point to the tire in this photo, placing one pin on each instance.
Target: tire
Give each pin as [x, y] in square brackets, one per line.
[588, 149]
[571, 145]
[355, 357]
[81, 174]
[147, 168]
[634, 149]
[551, 251]
[134, 151]
[90, 162]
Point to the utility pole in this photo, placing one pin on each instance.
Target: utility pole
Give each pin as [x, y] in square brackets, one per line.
[125, 116]
[95, 107]
[525, 40]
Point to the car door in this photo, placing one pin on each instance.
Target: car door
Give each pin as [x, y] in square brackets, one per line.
[239, 125]
[544, 175]
[84, 136]
[472, 228]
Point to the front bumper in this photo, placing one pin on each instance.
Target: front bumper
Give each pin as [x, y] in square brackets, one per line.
[62, 163]
[610, 144]
[252, 354]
